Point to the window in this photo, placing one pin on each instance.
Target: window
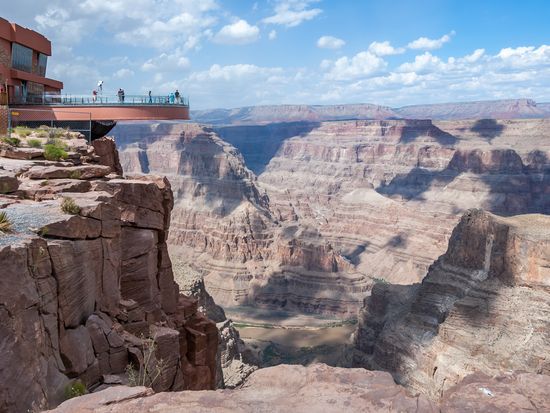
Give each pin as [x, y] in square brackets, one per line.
[42, 63]
[21, 57]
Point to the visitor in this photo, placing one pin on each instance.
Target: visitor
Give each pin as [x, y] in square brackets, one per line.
[94, 96]
[150, 97]
[100, 86]
[119, 94]
[122, 95]
[171, 97]
[177, 96]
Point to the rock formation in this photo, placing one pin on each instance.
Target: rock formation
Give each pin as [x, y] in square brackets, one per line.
[237, 361]
[483, 307]
[223, 225]
[336, 205]
[319, 388]
[87, 285]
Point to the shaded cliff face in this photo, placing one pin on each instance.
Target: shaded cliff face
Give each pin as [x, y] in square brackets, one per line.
[223, 224]
[84, 288]
[482, 307]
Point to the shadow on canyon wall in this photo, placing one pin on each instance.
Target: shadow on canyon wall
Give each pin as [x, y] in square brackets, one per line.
[514, 187]
[260, 143]
[487, 128]
[424, 128]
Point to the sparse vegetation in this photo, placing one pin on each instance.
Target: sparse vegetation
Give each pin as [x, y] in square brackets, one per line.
[68, 206]
[380, 280]
[23, 131]
[75, 175]
[13, 141]
[55, 150]
[5, 223]
[44, 183]
[34, 143]
[75, 389]
[151, 369]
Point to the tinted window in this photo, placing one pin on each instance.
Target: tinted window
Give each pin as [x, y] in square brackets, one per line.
[21, 57]
[42, 62]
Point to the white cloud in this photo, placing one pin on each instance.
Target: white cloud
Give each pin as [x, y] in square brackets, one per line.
[233, 72]
[123, 73]
[361, 65]
[292, 13]
[272, 35]
[384, 49]
[167, 62]
[330, 42]
[524, 56]
[425, 43]
[422, 63]
[239, 32]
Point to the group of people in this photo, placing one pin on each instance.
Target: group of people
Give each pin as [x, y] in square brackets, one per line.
[172, 98]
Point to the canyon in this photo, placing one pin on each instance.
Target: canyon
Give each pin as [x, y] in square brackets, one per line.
[427, 238]
[328, 208]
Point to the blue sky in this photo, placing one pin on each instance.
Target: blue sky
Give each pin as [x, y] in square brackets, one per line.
[224, 53]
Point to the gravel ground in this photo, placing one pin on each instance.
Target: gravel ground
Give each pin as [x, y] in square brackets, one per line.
[27, 218]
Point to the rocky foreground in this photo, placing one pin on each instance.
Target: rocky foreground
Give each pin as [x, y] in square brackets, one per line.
[319, 388]
[86, 287]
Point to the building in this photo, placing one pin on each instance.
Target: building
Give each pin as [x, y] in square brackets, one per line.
[23, 62]
[28, 97]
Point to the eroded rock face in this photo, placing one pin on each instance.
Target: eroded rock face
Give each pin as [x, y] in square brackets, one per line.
[348, 202]
[84, 294]
[319, 388]
[236, 360]
[223, 225]
[483, 307]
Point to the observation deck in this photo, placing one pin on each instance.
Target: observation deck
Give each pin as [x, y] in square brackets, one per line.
[101, 108]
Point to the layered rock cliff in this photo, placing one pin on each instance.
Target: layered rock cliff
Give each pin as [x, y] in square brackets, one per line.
[483, 307]
[224, 226]
[87, 286]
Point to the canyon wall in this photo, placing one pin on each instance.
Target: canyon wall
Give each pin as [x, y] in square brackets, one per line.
[87, 286]
[483, 307]
[386, 194]
[336, 205]
[223, 224]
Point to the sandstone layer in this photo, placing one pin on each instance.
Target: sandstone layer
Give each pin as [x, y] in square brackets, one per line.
[483, 307]
[320, 388]
[336, 205]
[87, 286]
[236, 360]
[223, 225]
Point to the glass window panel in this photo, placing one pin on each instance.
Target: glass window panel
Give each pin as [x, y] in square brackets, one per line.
[21, 57]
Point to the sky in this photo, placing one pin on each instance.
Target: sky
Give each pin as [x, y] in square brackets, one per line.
[234, 53]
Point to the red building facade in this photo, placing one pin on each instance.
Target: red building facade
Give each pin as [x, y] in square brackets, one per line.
[23, 61]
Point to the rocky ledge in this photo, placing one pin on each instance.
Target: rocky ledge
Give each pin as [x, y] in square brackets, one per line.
[320, 388]
[86, 286]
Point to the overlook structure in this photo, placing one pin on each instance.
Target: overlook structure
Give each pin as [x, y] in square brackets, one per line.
[28, 96]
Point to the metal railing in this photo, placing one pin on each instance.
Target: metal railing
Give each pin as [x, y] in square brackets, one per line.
[88, 100]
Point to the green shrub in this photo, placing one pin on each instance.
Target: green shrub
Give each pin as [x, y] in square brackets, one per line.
[75, 389]
[34, 143]
[23, 131]
[5, 223]
[12, 141]
[55, 151]
[68, 206]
